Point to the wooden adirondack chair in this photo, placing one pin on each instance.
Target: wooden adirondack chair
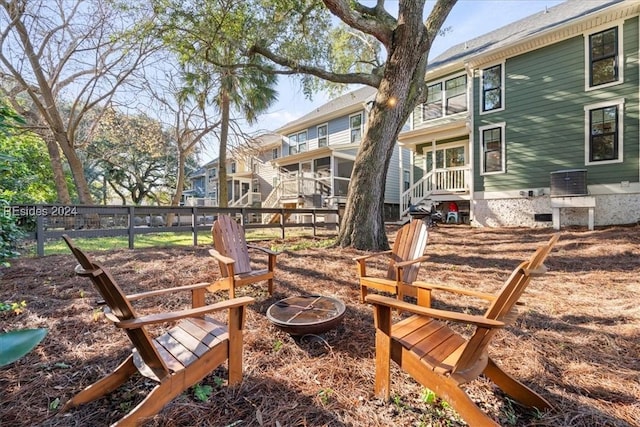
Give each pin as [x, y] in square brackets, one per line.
[177, 359]
[232, 253]
[404, 262]
[440, 359]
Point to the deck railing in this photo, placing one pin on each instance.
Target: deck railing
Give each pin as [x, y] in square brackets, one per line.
[438, 181]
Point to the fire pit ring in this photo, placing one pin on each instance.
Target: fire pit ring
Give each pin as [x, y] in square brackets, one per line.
[306, 314]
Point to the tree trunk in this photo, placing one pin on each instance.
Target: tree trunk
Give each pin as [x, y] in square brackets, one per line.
[180, 179]
[223, 194]
[58, 172]
[77, 170]
[362, 225]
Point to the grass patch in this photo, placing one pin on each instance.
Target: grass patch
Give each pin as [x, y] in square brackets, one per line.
[299, 239]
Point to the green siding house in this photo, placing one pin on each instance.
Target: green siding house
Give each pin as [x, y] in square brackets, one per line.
[536, 123]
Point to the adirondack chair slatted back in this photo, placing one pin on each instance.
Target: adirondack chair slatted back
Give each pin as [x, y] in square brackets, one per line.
[229, 240]
[119, 306]
[410, 244]
[508, 296]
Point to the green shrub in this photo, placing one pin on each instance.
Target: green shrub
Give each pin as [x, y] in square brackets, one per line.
[10, 233]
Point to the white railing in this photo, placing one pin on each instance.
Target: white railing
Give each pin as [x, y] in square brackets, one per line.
[452, 179]
[416, 193]
[439, 181]
[248, 199]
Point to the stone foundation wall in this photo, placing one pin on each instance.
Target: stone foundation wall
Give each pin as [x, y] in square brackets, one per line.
[611, 209]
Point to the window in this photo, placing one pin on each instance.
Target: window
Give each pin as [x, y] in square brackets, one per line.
[213, 174]
[432, 109]
[450, 101]
[298, 142]
[323, 138]
[603, 57]
[355, 124]
[492, 82]
[406, 183]
[456, 95]
[604, 137]
[274, 153]
[233, 167]
[493, 149]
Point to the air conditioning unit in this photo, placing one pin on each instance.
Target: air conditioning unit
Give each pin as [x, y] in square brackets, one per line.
[569, 183]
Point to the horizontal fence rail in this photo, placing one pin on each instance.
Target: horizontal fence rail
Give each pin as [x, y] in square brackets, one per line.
[52, 221]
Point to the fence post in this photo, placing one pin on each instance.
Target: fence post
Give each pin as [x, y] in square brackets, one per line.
[282, 222]
[314, 223]
[194, 224]
[132, 229]
[40, 234]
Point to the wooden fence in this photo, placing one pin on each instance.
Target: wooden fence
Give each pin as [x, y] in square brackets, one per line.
[52, 221]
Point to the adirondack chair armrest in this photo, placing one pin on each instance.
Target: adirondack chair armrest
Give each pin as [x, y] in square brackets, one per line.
[218, 256]
[379, 300]
[371, 255]
[183, 314]
[140, 295]
[403, 264]
[265, 250]
[460, 291]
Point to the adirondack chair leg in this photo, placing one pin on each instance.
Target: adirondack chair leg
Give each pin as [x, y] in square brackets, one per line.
[382, 319]
[270, 286]
[102, 387]
[462, 403]
[363, 293]
[234, 362]
[514, 388]
[161, 395]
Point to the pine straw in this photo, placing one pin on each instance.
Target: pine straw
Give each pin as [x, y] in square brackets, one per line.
[577, 342]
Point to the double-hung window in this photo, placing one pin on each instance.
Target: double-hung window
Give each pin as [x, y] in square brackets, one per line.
[492, 88]
[233, 167]
[355, 125]
[432, 108]
[492, 158]
[445, 98]
[274, 153]
[298, 142]
[604, 54]
[456, 95]
[603, 140]
[323, 137]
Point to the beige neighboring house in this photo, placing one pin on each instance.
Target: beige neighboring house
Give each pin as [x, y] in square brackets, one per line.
[205, 184]
[307, 162]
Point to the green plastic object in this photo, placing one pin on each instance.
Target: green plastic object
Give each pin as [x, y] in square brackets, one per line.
[15, 344]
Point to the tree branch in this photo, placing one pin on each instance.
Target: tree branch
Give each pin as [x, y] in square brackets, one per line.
[374, 21]
[297, 68]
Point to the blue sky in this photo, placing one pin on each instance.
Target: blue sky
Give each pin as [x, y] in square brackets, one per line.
[467, 20]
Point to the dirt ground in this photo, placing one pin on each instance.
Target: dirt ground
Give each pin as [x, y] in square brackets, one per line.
[577, 342]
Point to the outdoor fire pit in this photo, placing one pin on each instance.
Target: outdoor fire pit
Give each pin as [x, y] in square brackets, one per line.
[306, 314]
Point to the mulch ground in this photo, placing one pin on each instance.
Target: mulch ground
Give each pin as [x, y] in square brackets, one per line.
[577, 342]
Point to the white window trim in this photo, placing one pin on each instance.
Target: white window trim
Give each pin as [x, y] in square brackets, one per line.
[326, 136]
[443, 101]
[297, 144]
[587, 62]
[361, 126]
[503, 149]
[587, 131]
[503, 88]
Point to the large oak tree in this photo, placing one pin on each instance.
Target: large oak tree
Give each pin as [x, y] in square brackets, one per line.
[407, 38]
[371, 46]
